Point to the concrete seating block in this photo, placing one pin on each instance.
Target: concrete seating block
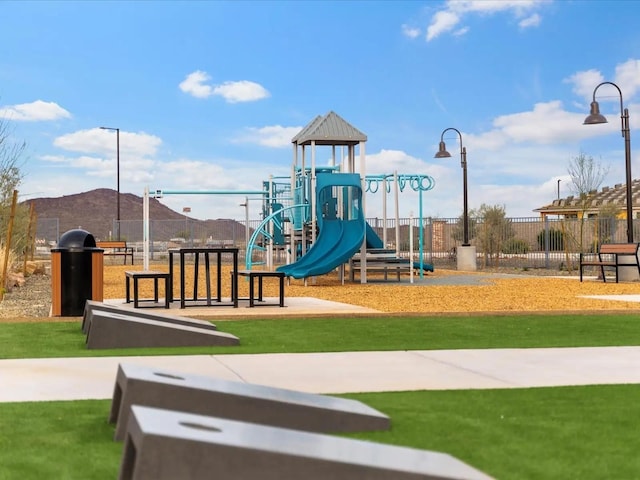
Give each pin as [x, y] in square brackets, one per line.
[117, 330]
[169, 445]
[92, 305]
[148, 386]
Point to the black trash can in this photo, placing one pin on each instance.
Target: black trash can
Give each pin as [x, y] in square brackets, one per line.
[77, 272]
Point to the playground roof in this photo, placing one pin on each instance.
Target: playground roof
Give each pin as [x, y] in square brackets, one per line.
[331, 129]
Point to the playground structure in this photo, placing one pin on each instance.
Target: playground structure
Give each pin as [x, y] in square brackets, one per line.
[321, 212]
[316, 216]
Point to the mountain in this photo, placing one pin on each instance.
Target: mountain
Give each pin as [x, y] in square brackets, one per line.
[95, 211]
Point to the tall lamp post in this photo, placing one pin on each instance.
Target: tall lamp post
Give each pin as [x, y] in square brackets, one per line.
[595, 117]
[117, 130]
[443, 153]
[466, 254]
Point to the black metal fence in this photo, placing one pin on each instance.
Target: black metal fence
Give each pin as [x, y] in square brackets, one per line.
[525, 242]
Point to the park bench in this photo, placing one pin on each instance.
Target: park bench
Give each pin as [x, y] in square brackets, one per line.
[136, 276]
[380, 260]
[260, 275]
[611, 256]
[116, 248]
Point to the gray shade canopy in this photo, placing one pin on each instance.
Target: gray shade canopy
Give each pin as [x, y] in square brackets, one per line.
[330, 129]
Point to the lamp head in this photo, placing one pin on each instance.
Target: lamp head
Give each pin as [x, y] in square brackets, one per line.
[442, 151]
[595, 116]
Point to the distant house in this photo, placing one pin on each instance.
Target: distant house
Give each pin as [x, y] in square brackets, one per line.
[573, 207]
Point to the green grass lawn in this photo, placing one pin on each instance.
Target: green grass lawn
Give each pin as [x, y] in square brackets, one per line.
[64, 339]
[541, 433]
[547, 433]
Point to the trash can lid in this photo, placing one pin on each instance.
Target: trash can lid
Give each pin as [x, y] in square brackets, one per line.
[77, 238]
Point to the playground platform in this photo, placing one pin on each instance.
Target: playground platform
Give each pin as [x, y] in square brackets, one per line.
[295, 306]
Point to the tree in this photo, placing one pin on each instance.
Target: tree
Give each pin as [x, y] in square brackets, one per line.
[607, 223]
[457, 232]
[11, 152]
[586, 177]
[555, 240]
[493, 232]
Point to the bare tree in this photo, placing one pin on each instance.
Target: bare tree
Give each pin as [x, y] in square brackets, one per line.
[586, 177]
[11, 158]
[493, 231]
[586, 174]
[11, 152]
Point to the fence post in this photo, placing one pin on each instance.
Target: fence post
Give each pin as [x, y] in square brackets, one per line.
[547, 237]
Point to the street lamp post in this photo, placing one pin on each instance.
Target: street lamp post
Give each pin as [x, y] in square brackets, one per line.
[117, 130]
[443, 153]
[466, 254]
[595, 117]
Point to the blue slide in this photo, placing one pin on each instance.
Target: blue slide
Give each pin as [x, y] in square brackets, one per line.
[373, 240]
[338, 239]
[337, 242]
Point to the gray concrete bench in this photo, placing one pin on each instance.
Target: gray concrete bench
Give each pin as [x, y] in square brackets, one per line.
[92, 305]
[119, 330]
[170, 445]
[153, 387]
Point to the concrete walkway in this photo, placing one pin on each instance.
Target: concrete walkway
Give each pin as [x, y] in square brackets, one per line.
[94, 378]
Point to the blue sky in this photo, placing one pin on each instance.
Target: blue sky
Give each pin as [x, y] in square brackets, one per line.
[207, 95]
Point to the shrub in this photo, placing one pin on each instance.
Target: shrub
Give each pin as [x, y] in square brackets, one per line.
[556, 240]
[515, 246]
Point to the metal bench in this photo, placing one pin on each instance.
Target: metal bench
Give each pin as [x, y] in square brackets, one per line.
[137, 275]
[611, 256]
[116, 248]
[260, 275]
[381, 260]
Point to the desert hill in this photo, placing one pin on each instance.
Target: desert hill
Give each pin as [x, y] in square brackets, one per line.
[95, 211]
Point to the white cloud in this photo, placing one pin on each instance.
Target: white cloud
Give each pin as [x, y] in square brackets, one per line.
[53, 158]
[460, 32]
[547, 123]
[97, 140]
[195, 84]
[34, 112]
[442, 22]
[275, 136]
[242, 91]
[531, 21]
[211, 175]
[389, 161]
[447, 19]
[584, 82]
[410, 32]
[626, 77]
